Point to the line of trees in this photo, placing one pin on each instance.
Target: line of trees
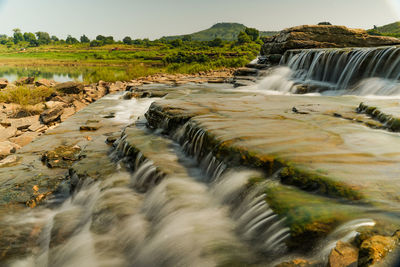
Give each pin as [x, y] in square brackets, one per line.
[44, 38]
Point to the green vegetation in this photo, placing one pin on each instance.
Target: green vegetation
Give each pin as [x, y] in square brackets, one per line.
[224, 31]
[392, 29]
[108, 59]
[25, 96]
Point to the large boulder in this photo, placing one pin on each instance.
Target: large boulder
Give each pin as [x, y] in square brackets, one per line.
[319, 36]
[69, 87]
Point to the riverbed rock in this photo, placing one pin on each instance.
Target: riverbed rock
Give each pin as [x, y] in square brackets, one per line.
[78, 105]
[3, 83]
[25, 138]
[6, 133]
[51, 115]
[68, 112]
[90, 126]
[343, 255]
[54, 104]
[44, 82]
[297, 263]
[69, 87]
[319, 36]
[7, 148]
[61, 157]
[25, 80]
[375, 248]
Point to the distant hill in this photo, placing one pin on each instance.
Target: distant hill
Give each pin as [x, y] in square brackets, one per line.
[225, 31]
[389, 28]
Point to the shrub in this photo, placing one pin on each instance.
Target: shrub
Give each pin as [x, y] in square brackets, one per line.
[24, 95]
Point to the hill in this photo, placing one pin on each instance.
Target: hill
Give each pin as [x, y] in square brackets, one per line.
[389, 28]
[225, 31]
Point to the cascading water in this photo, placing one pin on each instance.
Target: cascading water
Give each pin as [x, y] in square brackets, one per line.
[347, 71]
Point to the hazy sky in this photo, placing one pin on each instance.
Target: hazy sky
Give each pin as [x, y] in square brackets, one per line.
[157, 18]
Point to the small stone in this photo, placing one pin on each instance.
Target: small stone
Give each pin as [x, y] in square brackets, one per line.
[51, 115]
[90, 127]
[343, 255]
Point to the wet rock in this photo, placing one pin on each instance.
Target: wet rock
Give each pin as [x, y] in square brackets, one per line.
[25, 138]
[128, 95]
[69, 87]
[62, 157]
[44, 82]
[51, 115]
[246, 72]
[9, 161]
[297, 263]
[65, 224]
[240, 83]
[18, 240]
[376, 248]
[78, 105]
[68, 112]
[343, 255]
[25, 80]
[91, 125]
[3, 83]
[7, 148]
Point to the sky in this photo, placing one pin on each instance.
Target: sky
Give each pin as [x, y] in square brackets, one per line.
[156, 18]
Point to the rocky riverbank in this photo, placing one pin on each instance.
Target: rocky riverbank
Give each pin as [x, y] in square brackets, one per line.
[319, 36]
[20, 125]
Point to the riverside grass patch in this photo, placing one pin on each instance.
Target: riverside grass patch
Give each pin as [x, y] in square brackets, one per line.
[25, 96]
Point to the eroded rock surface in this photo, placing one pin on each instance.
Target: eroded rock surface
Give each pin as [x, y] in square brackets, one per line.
[319, 36]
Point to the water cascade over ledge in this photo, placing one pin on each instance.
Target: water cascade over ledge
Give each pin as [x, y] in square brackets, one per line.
[345, 71]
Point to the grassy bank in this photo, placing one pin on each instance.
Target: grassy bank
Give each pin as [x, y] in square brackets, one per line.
[126, 62]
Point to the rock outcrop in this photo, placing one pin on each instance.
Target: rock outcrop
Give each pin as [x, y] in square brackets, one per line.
[319, 36]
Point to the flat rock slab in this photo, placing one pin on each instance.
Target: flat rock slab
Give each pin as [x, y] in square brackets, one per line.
[357, 161]
[18, 178]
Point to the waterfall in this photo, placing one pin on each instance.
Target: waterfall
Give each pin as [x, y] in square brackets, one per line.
[346, 71]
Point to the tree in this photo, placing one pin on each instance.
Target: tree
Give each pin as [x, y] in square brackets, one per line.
[187, 38]
[253, 33]
[127, 40]
[43, 38]
[84, 39]
[96, 43]
[176, 42]
[3, 39]
[54, 38]
[31, 39]
[217, 42]
[324, 23]
[109, 40]
[71, 40]
[18, 37]
[243, 38]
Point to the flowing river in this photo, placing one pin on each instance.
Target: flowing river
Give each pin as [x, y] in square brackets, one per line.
[216, 176]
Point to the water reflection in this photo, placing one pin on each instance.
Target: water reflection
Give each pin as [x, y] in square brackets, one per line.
[65, 73]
